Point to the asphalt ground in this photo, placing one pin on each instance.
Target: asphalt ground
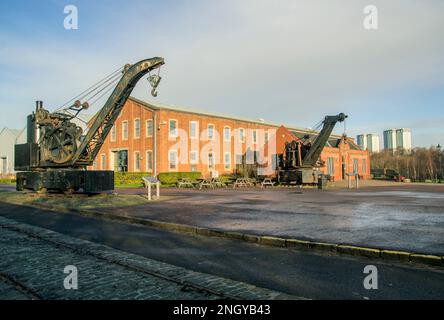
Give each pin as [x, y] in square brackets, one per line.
[395, 216]
[304, 274]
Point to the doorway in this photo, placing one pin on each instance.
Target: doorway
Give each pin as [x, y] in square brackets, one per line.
[120, 160]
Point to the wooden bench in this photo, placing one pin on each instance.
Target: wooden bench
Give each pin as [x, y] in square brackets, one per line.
[185, 182]
[206, 183]
[267, 182]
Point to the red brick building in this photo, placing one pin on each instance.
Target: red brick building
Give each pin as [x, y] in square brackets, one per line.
[155, 138]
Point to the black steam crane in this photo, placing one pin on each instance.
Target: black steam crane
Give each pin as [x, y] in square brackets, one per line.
[300, 164]
[57, 153]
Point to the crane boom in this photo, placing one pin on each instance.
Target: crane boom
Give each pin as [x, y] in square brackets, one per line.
[105, 118]
[318, 145]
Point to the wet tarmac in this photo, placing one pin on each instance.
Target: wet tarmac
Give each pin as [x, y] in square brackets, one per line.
[405, 217]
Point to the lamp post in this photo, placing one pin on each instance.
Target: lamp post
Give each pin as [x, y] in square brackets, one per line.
[440, 162]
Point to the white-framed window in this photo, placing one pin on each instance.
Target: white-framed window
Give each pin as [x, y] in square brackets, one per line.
[172, 128]
[194, 157]
[103, 161]
[239, 158]
[210, 131]
[266, 137]
[194, 131]
[227, 134]
[172, 159]
[136, 128]
[242, 135]
[113, 133]
[364, 166]
[149, 128]
[149, 161]
[331, 166]
[125, 130]
[94, 165]
[355, 165]
[137, 161]
[254, 136]
[211, 161]
[227, 160]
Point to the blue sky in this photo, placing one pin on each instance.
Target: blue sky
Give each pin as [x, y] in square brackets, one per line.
[286, 61]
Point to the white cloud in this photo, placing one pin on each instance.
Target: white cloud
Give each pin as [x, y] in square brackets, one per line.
[286, 61]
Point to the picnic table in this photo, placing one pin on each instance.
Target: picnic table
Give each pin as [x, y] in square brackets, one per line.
[267, 182]
[218, 183]
[205, 183]
[186, 182]
[244, 182]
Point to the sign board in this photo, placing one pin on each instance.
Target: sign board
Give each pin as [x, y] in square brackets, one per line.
[150, 179]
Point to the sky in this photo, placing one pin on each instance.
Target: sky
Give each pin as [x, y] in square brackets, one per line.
[289, 62]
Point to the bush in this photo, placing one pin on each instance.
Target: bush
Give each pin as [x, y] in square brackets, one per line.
[173, 177]
[128, 178]
[7, 181]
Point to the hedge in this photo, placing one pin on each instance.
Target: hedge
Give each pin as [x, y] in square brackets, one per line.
[124, 178]
[173, 177]
[167, 178]
[7, 181]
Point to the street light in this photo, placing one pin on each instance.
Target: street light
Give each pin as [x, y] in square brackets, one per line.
[440, 162]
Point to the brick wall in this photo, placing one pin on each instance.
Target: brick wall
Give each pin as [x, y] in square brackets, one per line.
[183, 143]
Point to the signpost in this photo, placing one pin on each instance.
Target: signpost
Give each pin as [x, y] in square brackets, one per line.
[148, 181]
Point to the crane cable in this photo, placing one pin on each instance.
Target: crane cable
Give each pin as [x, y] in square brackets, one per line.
[111, 86]
[92, 88]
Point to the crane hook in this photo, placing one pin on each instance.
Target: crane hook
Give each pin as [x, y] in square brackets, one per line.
[154, 82]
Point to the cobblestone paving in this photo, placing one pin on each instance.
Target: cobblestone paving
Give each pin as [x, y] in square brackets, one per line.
[32, 261]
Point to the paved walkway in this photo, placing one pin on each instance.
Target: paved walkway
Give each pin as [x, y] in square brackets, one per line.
[404, 217]
[32, 261]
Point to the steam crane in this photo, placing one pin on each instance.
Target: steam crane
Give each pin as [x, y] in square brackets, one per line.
[57, 153]
[301, 162]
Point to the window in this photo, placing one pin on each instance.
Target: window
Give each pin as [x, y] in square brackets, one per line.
[125, 130]
[173, 129]
[227, 160]
[173, 159]
[137, 161]
[149, 160]
[137, 128]
[4, 165]
[103, 162]
[94, 165]
[239, 159]
[210, 161]
[193, 130]
[149, 128]
[113, 133]
[355, 165]
[227, 134]
[254, 136]
[364, 166]
[241, 135]
[266, 137]
[211, 132]
[193, 157]
[331, 166]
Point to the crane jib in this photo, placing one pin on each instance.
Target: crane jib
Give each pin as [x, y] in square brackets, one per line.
[105, 118]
